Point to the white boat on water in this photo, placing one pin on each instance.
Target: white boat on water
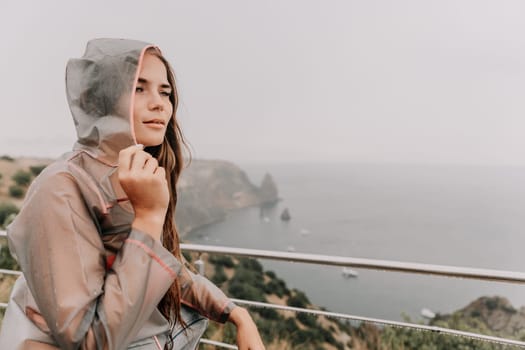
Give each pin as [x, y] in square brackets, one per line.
[427, 313]
[348, 272]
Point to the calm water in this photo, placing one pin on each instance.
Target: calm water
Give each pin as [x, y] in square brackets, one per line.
[452, 215]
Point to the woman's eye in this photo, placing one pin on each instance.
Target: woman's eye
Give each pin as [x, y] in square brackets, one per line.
[165, 93]
[139, 89]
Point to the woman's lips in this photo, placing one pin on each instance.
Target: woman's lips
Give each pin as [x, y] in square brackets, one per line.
[155, 123]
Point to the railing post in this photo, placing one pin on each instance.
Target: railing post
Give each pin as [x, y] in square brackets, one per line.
[200, 265]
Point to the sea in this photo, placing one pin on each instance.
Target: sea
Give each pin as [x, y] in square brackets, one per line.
[462, 215]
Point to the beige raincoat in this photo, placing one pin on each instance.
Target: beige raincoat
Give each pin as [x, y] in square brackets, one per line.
[89, 280]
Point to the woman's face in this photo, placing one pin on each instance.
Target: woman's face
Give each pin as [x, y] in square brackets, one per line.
[152, 108]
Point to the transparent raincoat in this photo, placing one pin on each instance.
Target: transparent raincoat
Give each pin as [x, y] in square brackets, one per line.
[89, 280]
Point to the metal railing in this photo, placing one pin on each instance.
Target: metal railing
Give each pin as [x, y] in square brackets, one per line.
[373, 264]
[382, 265]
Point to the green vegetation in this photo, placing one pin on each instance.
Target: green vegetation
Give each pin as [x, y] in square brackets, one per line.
[219, 277]
[8, 158]
[6, 211]
[285, 330]
[6, 260]
[298, 299]
[16, 191]
[22, 178]
[36, 169]
[276, 285]
[247, 282]
[223, 260]
[401, 338]
[187, 256]
[475, 318]
[250, 282]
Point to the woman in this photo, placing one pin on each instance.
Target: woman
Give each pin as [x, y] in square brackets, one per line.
[96, 238]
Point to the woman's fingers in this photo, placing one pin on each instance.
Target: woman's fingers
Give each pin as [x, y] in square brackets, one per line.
[125, 157]
[138, 162]
[161, 172]
[151, 165]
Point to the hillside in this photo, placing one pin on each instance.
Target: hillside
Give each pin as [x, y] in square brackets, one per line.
[244, 278]
[9, 167]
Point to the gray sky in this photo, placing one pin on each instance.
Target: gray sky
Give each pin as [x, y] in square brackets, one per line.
[438, 81]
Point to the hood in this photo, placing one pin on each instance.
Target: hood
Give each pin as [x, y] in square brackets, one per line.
[100, 88]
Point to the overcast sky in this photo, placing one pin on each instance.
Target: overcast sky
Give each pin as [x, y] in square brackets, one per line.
[357, 81]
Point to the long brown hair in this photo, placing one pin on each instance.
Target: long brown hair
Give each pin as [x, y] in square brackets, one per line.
[170, 156]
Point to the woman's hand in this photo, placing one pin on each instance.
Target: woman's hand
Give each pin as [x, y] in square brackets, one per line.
[145, 184]
[248, 337]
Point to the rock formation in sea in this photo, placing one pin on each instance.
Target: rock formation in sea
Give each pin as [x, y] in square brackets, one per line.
[268, 192]
[285, 215]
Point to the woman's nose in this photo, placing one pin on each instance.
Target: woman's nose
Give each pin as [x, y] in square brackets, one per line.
[156, 102]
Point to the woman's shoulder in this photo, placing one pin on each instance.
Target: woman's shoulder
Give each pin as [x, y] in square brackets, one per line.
[71, 171]
[77, 175]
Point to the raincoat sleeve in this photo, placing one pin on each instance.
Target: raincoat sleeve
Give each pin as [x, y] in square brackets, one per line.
[201, 294]
[59, 248]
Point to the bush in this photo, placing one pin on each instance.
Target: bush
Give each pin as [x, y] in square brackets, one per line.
[289, 326]
[308, 320]
[36, 169]
[298, 299]
[229, 333]
[223, 260]
[219, 277]
[16, 191]
[276, 286]
[6, 260]
[270, 274]
[268, 313]
[267, 330]
[242, 290]
[327, 336]
[491, 303]
[251, 264]
[22, 178]
[6, 157]
[302, 337]
[6, 210]
[248, 281]
[186, 255]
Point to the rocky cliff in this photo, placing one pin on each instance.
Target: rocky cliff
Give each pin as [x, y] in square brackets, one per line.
[492, 315]
[209, 189]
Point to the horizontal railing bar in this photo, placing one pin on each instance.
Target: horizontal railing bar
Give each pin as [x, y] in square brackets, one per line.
[434, 329]
[217, 343]
[373, 264]
[10, 272]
